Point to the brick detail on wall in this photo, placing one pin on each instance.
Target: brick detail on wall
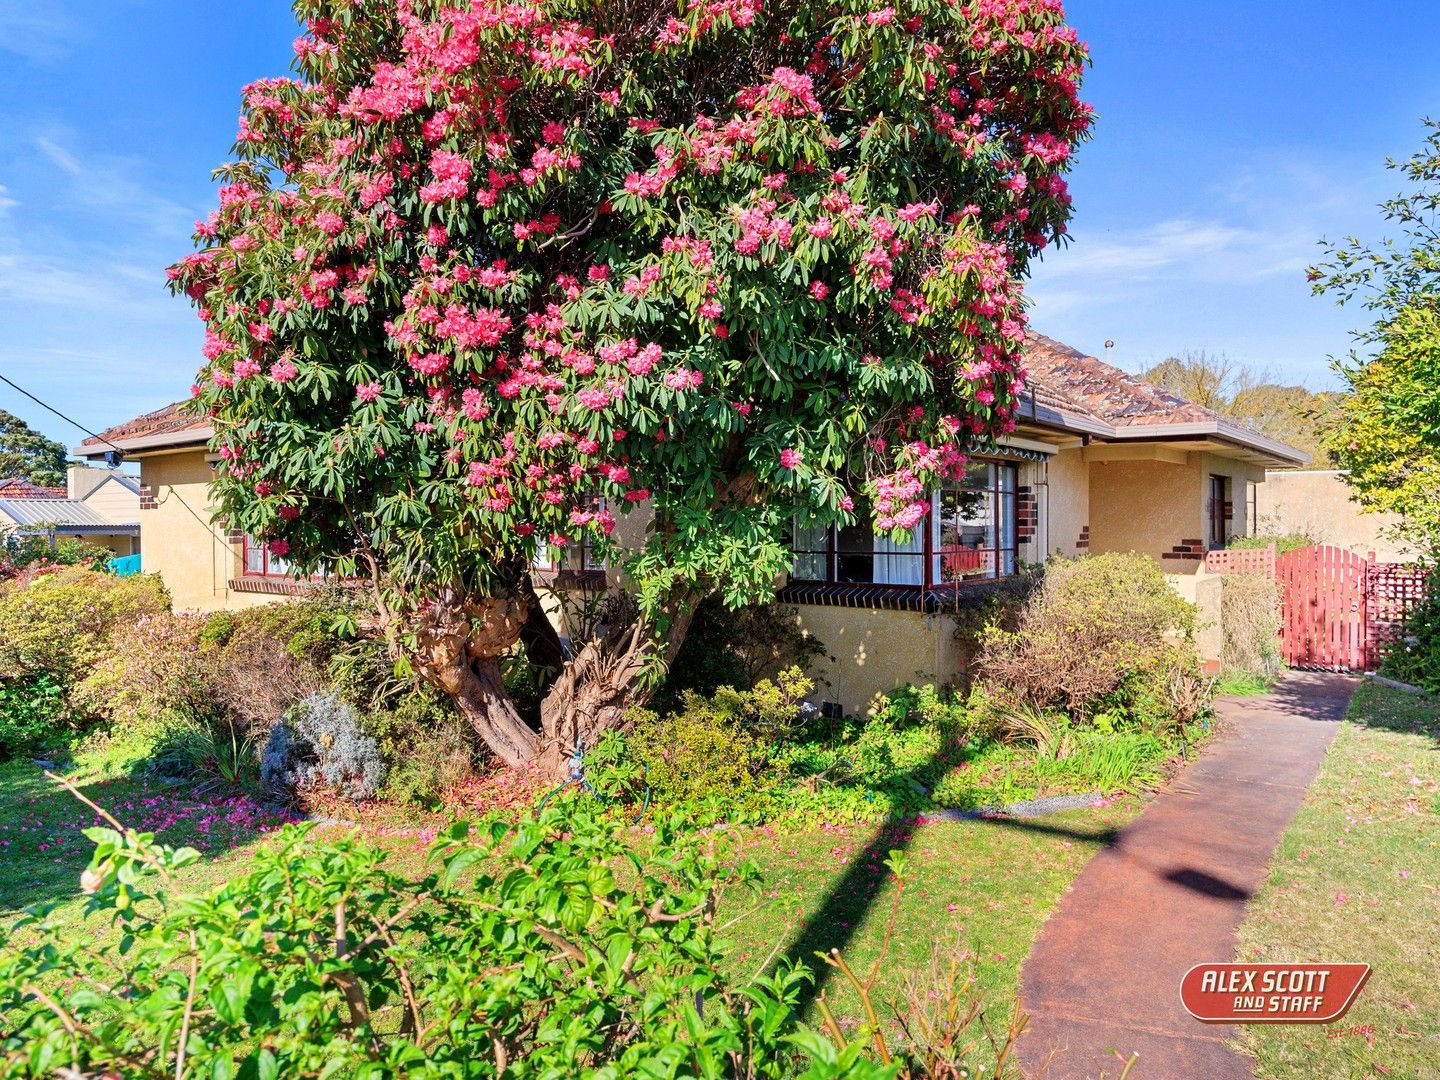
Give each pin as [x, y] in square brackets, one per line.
[1083, 543]
[235, 536]
[147, 497]
[1186, 549]
[1027, 515]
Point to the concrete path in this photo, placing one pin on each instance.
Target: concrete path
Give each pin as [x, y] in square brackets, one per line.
[1169, 893]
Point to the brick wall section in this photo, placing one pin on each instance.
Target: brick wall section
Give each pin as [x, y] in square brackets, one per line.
[1027, 514]
[1186, 550]
[147, 497]
[1083, 543]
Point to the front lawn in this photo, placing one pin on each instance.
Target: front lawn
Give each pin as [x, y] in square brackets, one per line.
[982, 887]
[1357, 878]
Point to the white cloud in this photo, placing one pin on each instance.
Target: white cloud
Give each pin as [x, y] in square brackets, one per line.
[59, 155]
[33, 30]
[1181, 247]
[7, 202]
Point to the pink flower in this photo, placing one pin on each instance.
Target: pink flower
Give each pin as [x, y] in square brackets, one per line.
[789, 458]
[819, 290]
[282, 371]
[367, 391]
[279, 547]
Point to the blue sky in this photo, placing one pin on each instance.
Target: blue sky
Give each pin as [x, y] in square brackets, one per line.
[1231, 137]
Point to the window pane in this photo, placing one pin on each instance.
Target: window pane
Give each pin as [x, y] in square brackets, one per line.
[811, 547]
[855, 550]
[902, 563]
[254, 556]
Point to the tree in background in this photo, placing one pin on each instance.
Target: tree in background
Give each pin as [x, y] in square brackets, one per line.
[1388, 434]
[28, 455]
[1291, 414]
[488, 275]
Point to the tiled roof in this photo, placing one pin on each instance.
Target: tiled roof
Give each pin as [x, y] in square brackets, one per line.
[17, 488]
[1102, 390]
[176, 419]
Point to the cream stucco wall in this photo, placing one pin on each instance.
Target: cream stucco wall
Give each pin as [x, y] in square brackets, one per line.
[1148, 506]
[1317, 503]
[179, 542]
[870, 651]
[1065, 507]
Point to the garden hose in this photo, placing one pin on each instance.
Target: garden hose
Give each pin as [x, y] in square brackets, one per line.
[577, 773]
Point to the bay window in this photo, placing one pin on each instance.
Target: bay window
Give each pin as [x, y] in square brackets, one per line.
[970, 534]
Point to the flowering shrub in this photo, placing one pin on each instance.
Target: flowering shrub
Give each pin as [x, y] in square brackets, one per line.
[485, 276]
[551, 947]
[31, 711]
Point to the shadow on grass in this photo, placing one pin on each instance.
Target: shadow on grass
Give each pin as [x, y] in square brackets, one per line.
[835, 921]
[43, 847]
[1388, 709]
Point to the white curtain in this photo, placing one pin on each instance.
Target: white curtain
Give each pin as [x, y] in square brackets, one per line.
[900, 564]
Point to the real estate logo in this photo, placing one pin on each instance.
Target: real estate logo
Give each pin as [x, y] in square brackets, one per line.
[1271, 993]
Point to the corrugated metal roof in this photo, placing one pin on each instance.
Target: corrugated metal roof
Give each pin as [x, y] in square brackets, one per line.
[64, 513]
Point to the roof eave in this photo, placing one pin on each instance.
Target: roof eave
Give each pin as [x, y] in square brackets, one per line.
[141, 444]
[1283, 453]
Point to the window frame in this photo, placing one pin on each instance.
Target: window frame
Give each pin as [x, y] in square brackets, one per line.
[932, 552]
[1219, 521]
[247, 545]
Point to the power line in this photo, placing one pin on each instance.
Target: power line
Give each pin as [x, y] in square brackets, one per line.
[57, 412]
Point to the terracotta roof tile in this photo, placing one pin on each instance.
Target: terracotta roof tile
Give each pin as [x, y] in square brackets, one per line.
[1102, 390]
[16, 487]
[169, 420]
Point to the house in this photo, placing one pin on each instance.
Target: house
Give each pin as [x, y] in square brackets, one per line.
[1317, 503]
[99, 506]
[1099, 461]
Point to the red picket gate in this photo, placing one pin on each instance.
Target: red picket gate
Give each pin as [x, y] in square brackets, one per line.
[1324, 612]
[1339, 610]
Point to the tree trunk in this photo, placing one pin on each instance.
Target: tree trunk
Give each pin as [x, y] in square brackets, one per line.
[483, 700]
[597, 686]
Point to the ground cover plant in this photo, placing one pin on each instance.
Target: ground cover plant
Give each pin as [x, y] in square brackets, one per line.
[482, 280]
[1357, 878]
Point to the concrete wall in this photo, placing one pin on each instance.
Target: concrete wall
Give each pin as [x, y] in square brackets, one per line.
[1317, 503]
[1150, 506]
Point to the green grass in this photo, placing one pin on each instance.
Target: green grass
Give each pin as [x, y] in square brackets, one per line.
[1357, 879]
[983, 886]
[1243, 684]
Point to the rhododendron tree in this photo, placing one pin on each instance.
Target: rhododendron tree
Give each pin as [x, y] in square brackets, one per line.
[487, 275]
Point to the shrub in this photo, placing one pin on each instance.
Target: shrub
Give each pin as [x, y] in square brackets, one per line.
[555, 947]
[32, 712]
[699, 752]
[150, 679]
[264, 660]
[58, 623]
[19, 553]
[428, 749]
[1413, 655]
[1250, 625]
[320, 745]
[212, 753]
[1094, 621]
[1283, 542]
[736, 648]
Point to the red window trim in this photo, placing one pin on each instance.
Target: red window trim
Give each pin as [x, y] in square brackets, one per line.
[247, 545]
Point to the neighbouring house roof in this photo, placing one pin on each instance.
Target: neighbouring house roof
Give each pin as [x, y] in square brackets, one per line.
[174, 425]
[1086, 392]
[64, 515]
[15, 487]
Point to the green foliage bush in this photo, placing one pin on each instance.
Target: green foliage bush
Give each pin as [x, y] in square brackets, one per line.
[32, 711]
[736, 648]
[556, 947]
[1413, 655]
[1282, 542]
[1093, 624]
